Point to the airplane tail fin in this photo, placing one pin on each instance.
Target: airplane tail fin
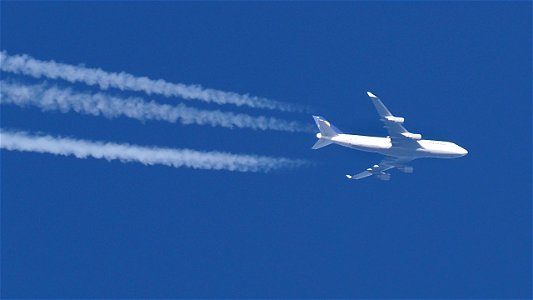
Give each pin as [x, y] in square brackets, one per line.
[325, 127]
[326, 131]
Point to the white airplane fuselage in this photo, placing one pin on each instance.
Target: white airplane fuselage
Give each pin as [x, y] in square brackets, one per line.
[400, 147]
[383, 145]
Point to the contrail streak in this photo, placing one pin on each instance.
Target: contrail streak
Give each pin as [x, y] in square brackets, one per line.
[27, 65]
[65, 100]
[22, 141]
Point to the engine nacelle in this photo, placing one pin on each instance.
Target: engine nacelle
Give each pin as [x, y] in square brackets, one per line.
[383, 176]
[406, 169]
[393, 119]
[413, 136]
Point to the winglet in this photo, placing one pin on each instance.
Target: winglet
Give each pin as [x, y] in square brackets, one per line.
[380, 107]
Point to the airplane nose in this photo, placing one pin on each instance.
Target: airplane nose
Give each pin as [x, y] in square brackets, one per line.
[463, 151]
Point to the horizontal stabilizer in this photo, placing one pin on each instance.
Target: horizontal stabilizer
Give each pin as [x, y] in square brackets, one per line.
[321, 143]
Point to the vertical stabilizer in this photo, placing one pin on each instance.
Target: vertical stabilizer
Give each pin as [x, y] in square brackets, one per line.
[327, 131]
[325, 127]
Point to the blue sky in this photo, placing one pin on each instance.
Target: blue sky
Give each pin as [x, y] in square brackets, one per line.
[455, 228]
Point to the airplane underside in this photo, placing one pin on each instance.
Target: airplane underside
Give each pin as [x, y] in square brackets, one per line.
[399, 148]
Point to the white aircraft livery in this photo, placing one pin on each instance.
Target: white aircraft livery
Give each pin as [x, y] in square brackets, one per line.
[400, 147]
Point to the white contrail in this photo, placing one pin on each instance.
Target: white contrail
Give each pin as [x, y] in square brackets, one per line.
[27, 65]
[22, 141]
[65, 100]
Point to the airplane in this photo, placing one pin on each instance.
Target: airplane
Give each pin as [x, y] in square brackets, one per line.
[400, 147]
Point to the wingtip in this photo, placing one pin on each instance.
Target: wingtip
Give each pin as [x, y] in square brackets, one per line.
[371, 95]
[349, 176]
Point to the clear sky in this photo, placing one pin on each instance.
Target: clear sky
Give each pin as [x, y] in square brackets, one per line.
[455, 228]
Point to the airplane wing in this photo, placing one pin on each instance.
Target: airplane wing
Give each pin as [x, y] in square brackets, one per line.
[398, 134]
[379, 169]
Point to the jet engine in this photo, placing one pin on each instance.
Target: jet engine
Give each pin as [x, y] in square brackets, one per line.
[393, 119]
[406, 169]
[413, 136]
[383, 176]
